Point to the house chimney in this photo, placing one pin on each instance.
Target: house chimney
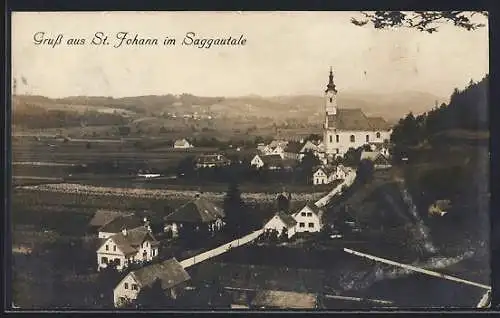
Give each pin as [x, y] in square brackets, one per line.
[124, 231]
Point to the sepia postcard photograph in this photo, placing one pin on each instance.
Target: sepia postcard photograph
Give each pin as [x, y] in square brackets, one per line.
[250, 161]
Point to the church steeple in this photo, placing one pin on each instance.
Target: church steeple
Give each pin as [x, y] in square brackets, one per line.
[331, 85]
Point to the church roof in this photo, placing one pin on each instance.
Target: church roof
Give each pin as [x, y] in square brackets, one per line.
[379, 123]
[354, 119]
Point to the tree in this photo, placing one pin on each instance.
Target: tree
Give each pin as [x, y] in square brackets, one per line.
[234, 208]
[424, 21]
[365, 171]
[186, 166]
[283, 203]
[284, 234]
[153, 297]
[309, 161]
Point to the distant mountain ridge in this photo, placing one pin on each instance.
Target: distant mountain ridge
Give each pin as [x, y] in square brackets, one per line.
[390, 106]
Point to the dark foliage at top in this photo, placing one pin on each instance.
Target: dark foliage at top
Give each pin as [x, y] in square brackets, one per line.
[425, 21]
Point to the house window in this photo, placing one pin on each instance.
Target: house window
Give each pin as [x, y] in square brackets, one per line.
[104, 260]
[117, 260]
[338, 151]
[378, 135]
[311, 224]
[367, 138]
[331, 138]
[331, 100]
[309, 214]
[107, 248]
[114, 248]
[126, 285]
[134, 287]
[337, 137]
[302, 224]
[303, 214]
[353, 139]
[147, 244]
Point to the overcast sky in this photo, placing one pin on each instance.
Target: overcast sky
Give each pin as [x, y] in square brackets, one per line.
[285, 53]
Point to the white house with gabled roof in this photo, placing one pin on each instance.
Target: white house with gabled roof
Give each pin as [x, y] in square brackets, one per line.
[170, 273]
[309, 219]
[126, 247]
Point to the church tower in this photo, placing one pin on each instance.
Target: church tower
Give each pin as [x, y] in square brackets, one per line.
[330, 135]
[330, 99]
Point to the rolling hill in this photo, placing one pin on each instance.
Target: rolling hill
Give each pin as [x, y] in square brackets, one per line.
[392, 107]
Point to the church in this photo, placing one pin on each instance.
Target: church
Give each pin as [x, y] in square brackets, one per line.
[346, 128]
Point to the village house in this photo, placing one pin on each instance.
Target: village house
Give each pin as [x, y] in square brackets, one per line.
[129, 246]
[116, 225]
[182, 144]
[383, 148]
[309, 219]
[261, 147]
[270, 162]
[378, 159]
[281, 221]
[346, 128]
[322, 175]
[329, 174]
[197, 215]
[212, 161]
[279, 300]
[172, 275]
[276, 147]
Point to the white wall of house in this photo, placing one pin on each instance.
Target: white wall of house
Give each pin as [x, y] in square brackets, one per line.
[182, 145]
[319, 177]
[257, 162]
[127, 288]
[307, 221]
[277, 224]
[279, 150]
[109, 251]
[339, 174]
[340, 145]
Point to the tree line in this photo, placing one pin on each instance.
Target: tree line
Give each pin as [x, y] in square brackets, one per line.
[466, 110]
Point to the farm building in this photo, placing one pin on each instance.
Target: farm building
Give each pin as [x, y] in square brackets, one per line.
[129, 246]
[198, 215]
[116, 225]
[182, 144]
[271, 162]
[281, 221]
[293, 150]
[103, 217]
[378, 159]
[212, 161]
[172, 275]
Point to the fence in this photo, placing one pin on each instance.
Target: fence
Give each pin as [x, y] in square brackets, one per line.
[221, 249]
